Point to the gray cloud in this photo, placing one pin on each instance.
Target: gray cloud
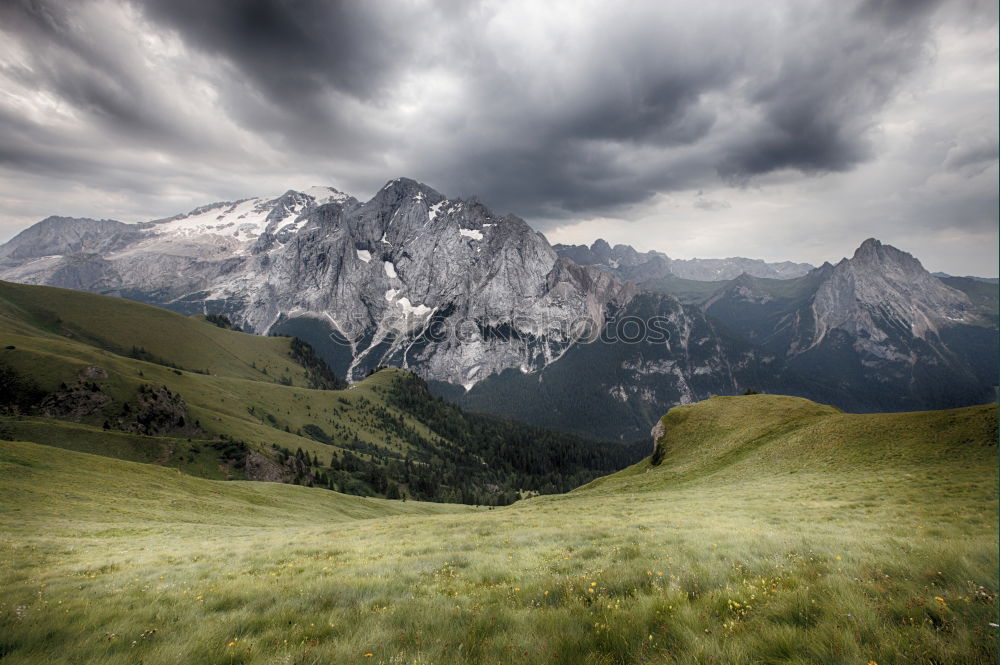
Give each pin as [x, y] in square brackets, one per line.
[294, 49]
[548, 110]
[975, 153]
[819, 105]
[544, 135]
[85, 70]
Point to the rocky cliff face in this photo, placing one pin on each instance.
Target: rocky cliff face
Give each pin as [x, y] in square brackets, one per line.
[617, 385]
[384, 274]
[883, 293]
[878, 327]
[55, 237]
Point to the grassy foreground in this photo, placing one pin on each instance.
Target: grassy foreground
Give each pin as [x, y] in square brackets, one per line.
[774, 530]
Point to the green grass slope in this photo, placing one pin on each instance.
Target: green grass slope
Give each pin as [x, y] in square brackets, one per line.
[125, 327]
[96, 489]
[256, 412]
[745, 435]
[773, 530]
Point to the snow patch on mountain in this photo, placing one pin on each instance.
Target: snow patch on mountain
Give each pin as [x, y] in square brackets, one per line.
[324, 195]
[432, 212]
[243, 220]
[413, 310]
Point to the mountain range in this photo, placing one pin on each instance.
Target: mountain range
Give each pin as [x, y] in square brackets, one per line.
[643, 267]
[597, 340]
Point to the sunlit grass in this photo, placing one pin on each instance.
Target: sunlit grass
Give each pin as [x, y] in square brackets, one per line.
[818, 543]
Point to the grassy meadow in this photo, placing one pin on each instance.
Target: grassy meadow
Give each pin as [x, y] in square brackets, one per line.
[243, 386]
[773, 530]
[124, 327]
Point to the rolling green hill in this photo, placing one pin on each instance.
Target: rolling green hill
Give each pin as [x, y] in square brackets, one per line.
[113, 377]
[109, 490]
[771, 530]
[773, 435]
[126, 328]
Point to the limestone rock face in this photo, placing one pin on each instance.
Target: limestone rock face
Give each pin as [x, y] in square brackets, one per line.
[380, 273]
[882, 292]
[877, 328]
[658, 431]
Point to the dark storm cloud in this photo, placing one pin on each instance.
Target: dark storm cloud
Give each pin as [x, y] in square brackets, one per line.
[293, 49]
[551, 110]
[819, 105]
[27, 147]
[658, 103]
[976, 156]
[84, 71]
[639, 99]
[892, 13]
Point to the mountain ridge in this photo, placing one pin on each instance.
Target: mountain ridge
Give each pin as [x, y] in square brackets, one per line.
[626, 262]
[480, 305]
[369, 265]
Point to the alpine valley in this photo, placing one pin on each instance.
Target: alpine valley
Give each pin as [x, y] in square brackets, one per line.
[598, 341]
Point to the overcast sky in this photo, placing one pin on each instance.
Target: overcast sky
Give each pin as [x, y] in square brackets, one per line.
[776, 130]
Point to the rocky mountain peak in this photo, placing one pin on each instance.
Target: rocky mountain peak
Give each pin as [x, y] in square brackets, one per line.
[881, 288]
[874, 254]
[56, 236]
[645, 268]
[379, 273]
[401, 191]
[324, 195]
[601, 251]
[869, 246]
[386, 277]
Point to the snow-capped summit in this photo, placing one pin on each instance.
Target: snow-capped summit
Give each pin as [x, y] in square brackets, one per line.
[248, 219]
[377, 273]
[323, 195]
